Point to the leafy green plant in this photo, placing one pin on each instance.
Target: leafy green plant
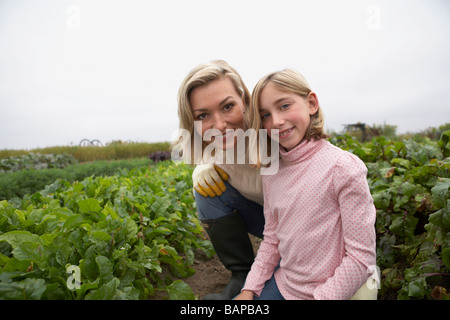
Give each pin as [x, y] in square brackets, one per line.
[410, 183]
[120, 232]
[26, 181]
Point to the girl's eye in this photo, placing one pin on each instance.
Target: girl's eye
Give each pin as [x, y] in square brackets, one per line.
[201, 116]
[264, 116]
[284, 106]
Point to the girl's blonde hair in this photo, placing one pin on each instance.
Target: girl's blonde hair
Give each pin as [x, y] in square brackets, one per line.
[200, 76]
[292, 81]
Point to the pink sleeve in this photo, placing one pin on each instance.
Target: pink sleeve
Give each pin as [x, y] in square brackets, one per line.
[358, 227]
[268, 256]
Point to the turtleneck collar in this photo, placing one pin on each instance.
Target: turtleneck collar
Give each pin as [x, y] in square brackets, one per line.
[303, 151]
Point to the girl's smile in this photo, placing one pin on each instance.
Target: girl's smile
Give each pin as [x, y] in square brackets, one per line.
[288, 112]
[285, 133]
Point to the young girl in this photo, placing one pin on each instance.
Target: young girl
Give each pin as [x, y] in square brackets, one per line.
[319, 236]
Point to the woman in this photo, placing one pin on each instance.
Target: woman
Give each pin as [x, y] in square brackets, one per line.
[212, 105]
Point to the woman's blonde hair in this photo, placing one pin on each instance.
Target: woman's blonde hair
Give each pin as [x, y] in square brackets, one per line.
[202, 75]
[292, 81]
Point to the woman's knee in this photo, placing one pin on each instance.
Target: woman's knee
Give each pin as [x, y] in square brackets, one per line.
[210, 207]
[230, 202]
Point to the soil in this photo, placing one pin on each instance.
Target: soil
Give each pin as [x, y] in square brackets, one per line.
[211, 276]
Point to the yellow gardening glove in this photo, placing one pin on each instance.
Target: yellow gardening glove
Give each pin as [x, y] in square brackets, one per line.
[209, 180]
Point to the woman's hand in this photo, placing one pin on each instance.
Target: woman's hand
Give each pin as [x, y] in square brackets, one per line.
[245, 295]
[209, 180]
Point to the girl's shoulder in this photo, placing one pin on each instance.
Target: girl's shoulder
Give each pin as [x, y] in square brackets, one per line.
[341, 158]
[346, 162]
[340, 152]
[331, 152]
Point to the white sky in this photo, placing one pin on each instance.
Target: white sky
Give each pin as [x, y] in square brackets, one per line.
[111, 69]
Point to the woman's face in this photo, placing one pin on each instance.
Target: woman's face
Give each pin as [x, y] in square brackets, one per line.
[218, 106]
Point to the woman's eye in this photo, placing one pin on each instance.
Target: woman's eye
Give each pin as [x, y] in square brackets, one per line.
[284, 106]
[265, 115]
[201, 116]
[228, 106]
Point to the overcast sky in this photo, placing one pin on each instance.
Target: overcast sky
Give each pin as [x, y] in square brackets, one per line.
[110, 70]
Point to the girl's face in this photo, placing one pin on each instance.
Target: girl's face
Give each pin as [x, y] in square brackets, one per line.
[218, 106]
[288, 112]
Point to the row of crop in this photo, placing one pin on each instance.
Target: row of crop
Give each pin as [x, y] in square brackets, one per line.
[116, 150]
[36, 161]
[410, 185]
[114, 235]
[28, 181]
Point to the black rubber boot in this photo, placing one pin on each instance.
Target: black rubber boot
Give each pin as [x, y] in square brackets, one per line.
[232, 244]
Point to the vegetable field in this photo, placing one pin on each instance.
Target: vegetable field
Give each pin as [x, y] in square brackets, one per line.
[36, 161]
[102, 237]
[134, 234]
[409, 182]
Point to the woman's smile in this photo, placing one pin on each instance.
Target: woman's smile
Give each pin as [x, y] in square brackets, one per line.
[229, 133]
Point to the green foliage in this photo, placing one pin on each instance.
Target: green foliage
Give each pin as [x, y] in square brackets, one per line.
[121, 232]
[444, 143]
[28, 181]
[410, 183]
